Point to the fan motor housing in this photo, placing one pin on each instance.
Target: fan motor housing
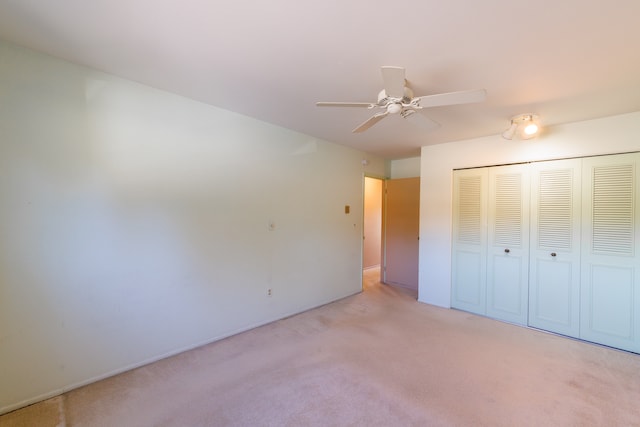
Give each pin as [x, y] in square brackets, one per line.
[384, 100]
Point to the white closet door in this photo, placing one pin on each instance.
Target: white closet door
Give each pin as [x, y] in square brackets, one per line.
[610, 286]
[554, 278]
[508, 249]
[469, 257]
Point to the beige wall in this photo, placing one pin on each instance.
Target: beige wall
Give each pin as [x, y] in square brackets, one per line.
[405, 168]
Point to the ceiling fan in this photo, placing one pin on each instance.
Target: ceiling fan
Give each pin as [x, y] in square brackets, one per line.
[397, 98]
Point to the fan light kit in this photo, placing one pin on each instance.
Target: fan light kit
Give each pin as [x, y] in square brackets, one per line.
[526, 125]
[397, 98]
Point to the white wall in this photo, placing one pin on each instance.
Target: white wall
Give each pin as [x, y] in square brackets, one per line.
[608, 135]
[135, 224]
[405, 168]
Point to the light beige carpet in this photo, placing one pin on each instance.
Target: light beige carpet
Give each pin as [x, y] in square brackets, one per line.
[374, 359]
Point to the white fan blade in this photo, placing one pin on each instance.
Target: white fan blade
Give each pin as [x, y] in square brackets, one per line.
[393, 78]
[372, 121]
[452, 98]
[420, 120]
[345, 104]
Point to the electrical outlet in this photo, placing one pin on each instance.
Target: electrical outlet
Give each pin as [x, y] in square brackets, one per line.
[268, 292]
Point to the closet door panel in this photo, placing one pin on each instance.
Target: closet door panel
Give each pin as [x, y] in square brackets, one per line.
[469, 256]
[554, 278]
[610, 287]
[552, 305]
[505, 292]
[508, 243]
[469, 289]
[609, 299]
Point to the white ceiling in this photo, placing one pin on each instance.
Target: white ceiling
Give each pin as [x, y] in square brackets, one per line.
[566, 60]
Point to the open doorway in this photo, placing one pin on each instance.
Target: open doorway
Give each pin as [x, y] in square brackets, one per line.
[372, 231]
[390, 233]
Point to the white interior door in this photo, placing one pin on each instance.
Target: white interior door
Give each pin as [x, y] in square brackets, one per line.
[402, 225]
[508, 238]
[469, 249]
[554, 278]
[610, 282]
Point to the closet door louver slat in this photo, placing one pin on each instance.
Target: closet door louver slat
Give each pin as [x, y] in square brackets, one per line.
[508, 210]
[613, 213]
[555, 213]
[469, 213]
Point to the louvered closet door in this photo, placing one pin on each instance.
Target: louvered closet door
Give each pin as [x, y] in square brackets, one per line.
[469, 257]
[508, 249]
[554, 276]
[610, 285]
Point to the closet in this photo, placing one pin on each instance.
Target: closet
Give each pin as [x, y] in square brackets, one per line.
[554, 245]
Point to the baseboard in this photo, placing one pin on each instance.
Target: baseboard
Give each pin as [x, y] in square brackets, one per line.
[48, 395]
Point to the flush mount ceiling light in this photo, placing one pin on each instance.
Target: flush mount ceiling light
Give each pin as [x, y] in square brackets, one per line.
[525, 125]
